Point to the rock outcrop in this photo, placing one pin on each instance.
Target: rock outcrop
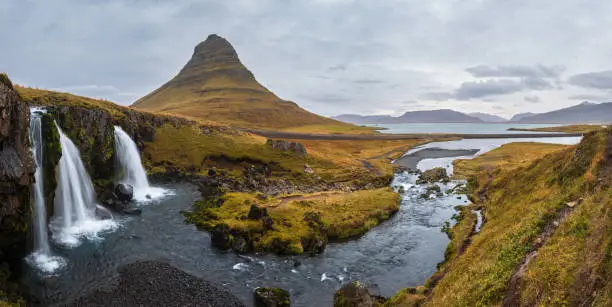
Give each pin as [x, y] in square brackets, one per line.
[433, 175]
[271, 297]
[16, 175]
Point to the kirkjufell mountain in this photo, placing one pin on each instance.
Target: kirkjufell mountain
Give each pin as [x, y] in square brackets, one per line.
[215, 85]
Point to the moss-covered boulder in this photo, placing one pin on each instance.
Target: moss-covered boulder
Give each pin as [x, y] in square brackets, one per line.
[354, 294]
[433, 175]
[271, 297]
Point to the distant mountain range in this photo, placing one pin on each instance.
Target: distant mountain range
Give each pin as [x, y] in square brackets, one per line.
[584, 113]
[433, 116]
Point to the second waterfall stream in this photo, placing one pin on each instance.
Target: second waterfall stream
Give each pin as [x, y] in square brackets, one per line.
[133, 173]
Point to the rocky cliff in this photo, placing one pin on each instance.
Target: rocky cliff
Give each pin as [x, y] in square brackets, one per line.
[16, 175]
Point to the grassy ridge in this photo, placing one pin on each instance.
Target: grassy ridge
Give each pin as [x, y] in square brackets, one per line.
[563, 267]
[508, 156]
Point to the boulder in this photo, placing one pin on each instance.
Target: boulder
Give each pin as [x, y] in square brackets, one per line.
[257, 213]
[267, 222]
[124, 192]
[433, 175]
[284, 145]
[308, 169]
[271, 297]
[220, 237]
[132, 211]
[240, 245]
[103, 213]
[354, 294]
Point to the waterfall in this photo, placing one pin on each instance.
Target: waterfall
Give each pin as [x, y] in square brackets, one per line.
[41, 257]
[41, 239]
[134, 174]
[75, 199]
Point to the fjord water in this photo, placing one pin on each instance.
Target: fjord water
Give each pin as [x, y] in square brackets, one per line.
[400, 252]
[75, 199]
[460, 128]
[131, 167]
[41, 257]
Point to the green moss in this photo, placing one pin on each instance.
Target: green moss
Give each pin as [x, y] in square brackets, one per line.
[4, 79]
[52, 152]
[298, 226]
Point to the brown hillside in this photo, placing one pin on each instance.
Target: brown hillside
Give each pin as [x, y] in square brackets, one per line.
[214, 84]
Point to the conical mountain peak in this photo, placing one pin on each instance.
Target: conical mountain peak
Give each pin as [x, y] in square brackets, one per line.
[214, 84]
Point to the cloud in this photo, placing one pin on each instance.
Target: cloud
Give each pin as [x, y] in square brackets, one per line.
[133, 47]
[601, 80]
[521, 71]
[337, 67]
[483, 89]
[532, 99]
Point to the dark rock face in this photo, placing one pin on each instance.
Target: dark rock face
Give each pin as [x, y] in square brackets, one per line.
[271, 297]
[354, 294]
[16, 175]
[257, 213]
[52, 150]
[124, 192]
[284, 145]
[93, 133]
[220, 237]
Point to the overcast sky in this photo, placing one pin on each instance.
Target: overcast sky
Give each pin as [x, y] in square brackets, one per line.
[329, 56]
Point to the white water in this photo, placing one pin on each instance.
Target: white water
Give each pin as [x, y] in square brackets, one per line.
[74, 216]
[131, 164]
[41, 257]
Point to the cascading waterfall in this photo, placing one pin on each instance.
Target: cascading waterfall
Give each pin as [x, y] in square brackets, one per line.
[41, 257]
[134, 174]
[75, 199]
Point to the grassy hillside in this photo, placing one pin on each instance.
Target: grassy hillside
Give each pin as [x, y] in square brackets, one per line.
[546, 240]
[508, 156]
[214, 84]
[566, 129]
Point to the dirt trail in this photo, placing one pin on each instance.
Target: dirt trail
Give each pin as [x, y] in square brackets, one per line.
[513, 292]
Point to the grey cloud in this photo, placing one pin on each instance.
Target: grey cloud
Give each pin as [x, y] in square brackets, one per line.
[532, 99]
[535, 71]
[340, 67]
[325, 97]
[598, 80]
[368, 81]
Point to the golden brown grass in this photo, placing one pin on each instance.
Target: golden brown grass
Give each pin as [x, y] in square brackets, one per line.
[508, 156]
[519, 203]
[343, 214]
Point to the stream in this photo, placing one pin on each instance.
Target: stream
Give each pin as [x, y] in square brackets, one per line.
[399, 253]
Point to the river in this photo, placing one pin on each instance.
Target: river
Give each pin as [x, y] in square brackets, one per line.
[400, 252]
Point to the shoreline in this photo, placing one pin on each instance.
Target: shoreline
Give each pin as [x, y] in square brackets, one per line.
[412, 136]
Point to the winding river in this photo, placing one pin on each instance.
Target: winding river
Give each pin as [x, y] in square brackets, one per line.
[401, 252]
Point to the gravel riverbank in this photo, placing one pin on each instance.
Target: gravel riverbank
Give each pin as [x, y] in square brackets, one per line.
[410, 161]
[153, 283]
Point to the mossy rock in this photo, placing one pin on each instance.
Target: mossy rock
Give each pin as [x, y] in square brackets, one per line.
[52, 152]
[271, 297]
[4, 79]
[433, 175]
[354, 294]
